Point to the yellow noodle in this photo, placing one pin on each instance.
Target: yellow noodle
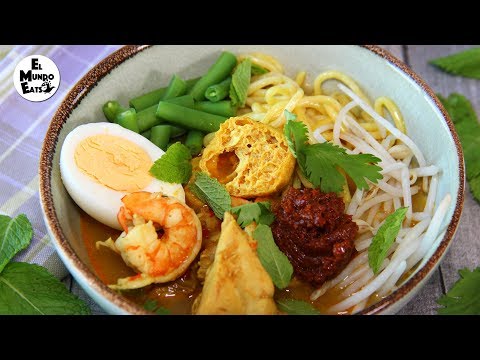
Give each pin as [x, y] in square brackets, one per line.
[285, 92]
[270, 79]
[300, 78]
[290, 107]
[266, 61]
[337, 75]
[382, 103]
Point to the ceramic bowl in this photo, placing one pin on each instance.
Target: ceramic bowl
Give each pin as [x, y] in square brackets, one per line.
[134, 70]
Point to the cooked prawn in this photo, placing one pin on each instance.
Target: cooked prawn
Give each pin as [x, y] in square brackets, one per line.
[158, 259]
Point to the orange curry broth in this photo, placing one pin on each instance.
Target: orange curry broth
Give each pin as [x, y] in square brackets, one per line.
[178, 296]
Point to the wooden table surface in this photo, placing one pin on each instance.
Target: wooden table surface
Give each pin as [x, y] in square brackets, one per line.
[465, 250]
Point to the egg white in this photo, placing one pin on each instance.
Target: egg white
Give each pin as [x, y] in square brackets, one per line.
[101, 202]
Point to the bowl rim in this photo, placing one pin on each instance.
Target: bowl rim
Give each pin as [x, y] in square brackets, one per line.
[103, 68]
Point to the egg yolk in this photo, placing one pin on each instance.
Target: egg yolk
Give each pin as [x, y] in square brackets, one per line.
[114, 162]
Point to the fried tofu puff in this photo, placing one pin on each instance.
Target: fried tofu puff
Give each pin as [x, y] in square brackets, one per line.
[250, 158]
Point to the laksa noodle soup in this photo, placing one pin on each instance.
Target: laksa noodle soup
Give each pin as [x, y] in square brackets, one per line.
[247, 191]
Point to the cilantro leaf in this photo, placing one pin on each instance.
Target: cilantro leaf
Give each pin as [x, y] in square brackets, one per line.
[211, 192]
[15, 235]
[384, 238]
[152, 306]
[295, 132]
[464, 297]
[465, 63]
[240, 83]
[258, 212]
[322, 160]
[174, 166]
[258, 70]
[468, 130]
[272, 258]
[297, 307]
[29, 289]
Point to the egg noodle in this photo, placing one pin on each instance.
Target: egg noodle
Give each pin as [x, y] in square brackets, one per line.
[347, 117]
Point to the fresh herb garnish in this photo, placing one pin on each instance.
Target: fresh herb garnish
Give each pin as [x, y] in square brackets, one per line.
[29, 289]
[464, 297]
[384, 238]
[465, 63]
[152, 306]
[258, 212]
[174, 166]
[258, 70]
[468, 130]
[273, 260]
[211, 192]
[320, 162]
[15, 235]
[240, 83]
[297, 307]
[296, 134]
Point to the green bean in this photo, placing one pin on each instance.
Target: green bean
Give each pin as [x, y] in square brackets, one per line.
[160, 136]
[217, 73]
[146, 100]
[190, 84]
[222, 108]
[177, 87]
[128, 120]
[185, 100]
[218, 91]
[194, 142]
[147, 118]
[176, 131]
[146, 134]
[111, 109]
[153, 97]
[189, 118]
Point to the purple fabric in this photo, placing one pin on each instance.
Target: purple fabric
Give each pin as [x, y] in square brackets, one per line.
[22, 129]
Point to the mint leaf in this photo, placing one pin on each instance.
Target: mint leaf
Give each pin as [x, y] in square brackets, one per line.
[152, 306]
[174, 166]
[162, 311]
[464, 297]
[295, 132]
[258, 212]
[465, 63]
[272, 258]
[475, 187]
[384, 238]
[468, 129]
[15, 235]
[211, 192]
[258, 70]
[240, 83]
[29, 289]
[297, 307]
[322, 160]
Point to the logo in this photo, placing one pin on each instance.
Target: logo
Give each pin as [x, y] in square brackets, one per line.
[36, 78]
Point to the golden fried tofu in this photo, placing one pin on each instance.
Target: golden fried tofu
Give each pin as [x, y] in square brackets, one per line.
[250, 158]
[236, 282]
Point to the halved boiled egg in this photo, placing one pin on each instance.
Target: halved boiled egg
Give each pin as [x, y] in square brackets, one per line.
[102, 162]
